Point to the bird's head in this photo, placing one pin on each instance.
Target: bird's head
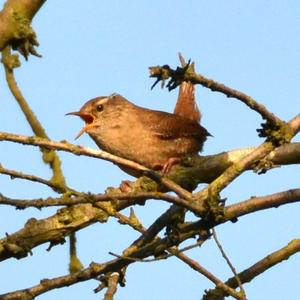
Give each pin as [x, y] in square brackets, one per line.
[96, 110]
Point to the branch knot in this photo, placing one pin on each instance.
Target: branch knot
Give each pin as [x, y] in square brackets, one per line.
[176, 76]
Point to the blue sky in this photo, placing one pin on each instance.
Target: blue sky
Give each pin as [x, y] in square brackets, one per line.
[93, 48]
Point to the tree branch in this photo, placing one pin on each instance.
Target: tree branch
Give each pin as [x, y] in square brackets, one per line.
[295, 124]
[192, 171]
[256, 269]
[209, 197]
[219, 284]
[79, 150]
[81, 198]
[260, 203]
[53, 185]
[15, 25]
[229, 263]
[49, 157]
[86, 214]
[163, 73]
[254, 204]
[112, 286]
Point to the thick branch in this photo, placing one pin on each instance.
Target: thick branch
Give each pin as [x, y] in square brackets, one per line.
[194, 170]
[209, 197]
[112, 286]
[295, 124]
[15, 25]
[53, 229]
[86, 214]
[259, 203]
[67, 220]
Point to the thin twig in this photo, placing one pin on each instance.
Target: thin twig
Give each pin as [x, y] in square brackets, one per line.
[161, 257]
[133, 258]
[254, 204]
[81, 198]
[232, 268]
[219, 284]
[261, 266]
[132, 220]
[49, 157]
[163, 73]
[53, 185]
[68, 147]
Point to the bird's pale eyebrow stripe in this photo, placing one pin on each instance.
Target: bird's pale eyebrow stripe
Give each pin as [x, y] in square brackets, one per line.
[102, 101]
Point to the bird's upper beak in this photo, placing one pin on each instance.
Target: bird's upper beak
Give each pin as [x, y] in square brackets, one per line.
[86, 117]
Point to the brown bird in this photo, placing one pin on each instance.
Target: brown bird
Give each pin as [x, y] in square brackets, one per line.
[152, 138]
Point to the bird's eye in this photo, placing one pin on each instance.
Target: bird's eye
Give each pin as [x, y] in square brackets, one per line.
[99, 107]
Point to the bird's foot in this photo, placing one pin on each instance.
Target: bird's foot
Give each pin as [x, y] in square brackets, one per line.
[126, 186]
[167, 166]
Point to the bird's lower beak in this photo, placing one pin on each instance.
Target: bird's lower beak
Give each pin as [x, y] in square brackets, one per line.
[87, 118]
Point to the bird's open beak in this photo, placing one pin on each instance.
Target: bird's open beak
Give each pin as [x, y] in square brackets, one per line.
[87, 118]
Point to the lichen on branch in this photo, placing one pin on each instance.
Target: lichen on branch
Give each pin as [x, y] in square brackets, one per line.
[15, 26]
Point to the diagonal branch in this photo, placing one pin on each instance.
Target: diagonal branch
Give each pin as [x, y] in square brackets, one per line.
[295, 124]
[209, 197]
[258, 268]
[181, 74]
[219, 284]
[229, 263]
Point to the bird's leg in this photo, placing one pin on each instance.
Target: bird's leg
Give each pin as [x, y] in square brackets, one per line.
[167, 166]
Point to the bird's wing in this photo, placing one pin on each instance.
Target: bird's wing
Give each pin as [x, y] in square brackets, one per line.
[170, 126]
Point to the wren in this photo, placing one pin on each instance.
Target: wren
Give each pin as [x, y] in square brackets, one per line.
[155, 139]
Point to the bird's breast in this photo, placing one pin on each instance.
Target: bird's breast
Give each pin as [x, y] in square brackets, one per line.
[143, 146]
